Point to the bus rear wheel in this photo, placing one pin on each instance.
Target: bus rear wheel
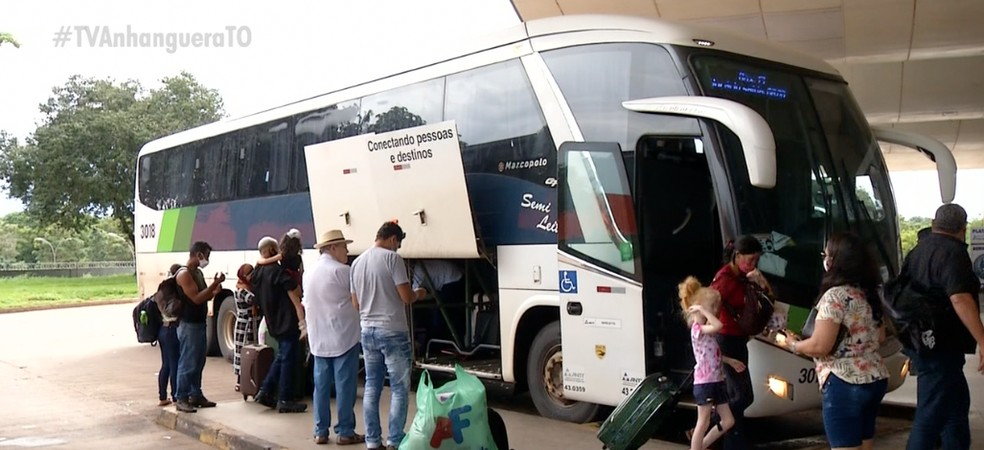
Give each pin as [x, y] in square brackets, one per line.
[545, 379]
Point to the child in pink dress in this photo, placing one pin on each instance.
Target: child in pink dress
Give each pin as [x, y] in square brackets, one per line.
[700, 305]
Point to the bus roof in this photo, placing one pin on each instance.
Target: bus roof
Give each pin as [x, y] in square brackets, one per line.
[663, 31]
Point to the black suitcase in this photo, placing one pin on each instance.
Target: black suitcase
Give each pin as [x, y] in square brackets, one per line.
[254, 363]
[638, 416]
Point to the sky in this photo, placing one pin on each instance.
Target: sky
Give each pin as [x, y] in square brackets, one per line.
[293, 49]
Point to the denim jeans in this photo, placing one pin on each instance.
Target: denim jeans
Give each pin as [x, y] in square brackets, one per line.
[167, 340]
[942, 402]
[385, 352]
[191, 361]
[850, 410]
[281, 375]
[342, 372]
[740, 392]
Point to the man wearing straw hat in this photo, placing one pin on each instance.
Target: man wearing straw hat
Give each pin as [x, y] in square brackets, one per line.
[333, 333]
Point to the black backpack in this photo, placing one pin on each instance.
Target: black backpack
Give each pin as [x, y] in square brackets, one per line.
[147, 321]
[169, 296]
[923, 321]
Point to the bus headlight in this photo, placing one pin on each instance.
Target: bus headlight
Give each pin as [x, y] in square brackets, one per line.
[780, 387]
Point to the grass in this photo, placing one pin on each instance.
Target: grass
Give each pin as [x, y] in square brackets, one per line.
[25, 293]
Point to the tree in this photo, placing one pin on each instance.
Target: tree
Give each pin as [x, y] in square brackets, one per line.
[79, 163]
[8, 38]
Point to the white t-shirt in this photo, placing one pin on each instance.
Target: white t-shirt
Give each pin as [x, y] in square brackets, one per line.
[332, 320]
[375, 276]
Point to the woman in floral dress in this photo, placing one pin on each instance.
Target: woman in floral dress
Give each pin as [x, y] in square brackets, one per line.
[245, 326]
[852, 375]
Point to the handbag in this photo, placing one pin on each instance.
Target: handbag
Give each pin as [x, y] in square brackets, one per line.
[811, 320]
[756, 311]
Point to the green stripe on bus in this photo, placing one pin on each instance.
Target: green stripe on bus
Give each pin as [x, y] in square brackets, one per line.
[166, 233]
[182, 232]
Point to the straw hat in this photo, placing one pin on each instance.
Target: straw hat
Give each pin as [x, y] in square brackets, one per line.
[331, 237]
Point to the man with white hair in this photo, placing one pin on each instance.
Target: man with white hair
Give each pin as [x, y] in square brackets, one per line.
[279, 298]
[333, 333]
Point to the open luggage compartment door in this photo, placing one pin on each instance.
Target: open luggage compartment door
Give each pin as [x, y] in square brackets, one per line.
[414, 176]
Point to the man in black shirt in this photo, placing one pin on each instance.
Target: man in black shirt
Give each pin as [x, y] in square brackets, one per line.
[191, 327]
[941, 265]
[279, 298]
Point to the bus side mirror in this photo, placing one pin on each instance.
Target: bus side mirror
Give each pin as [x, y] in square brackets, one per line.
[936, 151]
[753, 131]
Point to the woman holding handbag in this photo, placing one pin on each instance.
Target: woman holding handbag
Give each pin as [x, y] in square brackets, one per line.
[851, 373]
[734, 281]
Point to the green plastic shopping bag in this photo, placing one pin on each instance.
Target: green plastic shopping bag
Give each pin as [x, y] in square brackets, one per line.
[451, 417]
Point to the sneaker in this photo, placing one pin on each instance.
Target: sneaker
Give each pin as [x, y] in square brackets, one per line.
[201, 402]
[321, 440]
[291, 407]
[264, 399]
[184, 406]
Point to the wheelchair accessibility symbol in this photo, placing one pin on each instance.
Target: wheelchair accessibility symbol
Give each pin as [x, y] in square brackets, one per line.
[568, 281]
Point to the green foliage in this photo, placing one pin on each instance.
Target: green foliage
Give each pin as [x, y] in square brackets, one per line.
[7, 38]
[102, 240]
[79, 163]
[34, 292]
[909, 229]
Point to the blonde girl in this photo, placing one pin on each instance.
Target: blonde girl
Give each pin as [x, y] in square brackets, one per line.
[700, 307]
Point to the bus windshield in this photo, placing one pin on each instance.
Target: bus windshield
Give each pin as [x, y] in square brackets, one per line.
[830, 173]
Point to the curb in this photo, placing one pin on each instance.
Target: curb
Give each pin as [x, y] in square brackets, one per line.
[211, 433]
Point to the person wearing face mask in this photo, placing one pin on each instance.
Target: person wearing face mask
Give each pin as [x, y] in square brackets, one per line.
[731, 281]
[191, 328]
[852, 376]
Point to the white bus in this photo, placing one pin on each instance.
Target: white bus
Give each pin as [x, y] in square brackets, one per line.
[602, 160]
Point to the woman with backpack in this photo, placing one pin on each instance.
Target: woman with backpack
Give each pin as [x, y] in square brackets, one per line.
[848, 329]
[167, 340]
[734, 281]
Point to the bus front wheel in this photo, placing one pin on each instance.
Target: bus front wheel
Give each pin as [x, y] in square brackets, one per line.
[545, 378]
[225, 323]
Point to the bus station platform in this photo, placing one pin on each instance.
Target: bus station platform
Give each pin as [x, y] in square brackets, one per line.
[238, 424]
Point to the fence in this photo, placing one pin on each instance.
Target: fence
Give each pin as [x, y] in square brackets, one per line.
[67, 269]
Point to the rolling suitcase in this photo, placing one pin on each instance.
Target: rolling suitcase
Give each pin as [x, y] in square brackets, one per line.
[255, 362]
[638, 416]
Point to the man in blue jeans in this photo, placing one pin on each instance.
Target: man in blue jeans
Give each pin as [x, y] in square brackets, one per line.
[941, 266]
[280, 301]
[380, 291]
[191, 328]
[334, 333]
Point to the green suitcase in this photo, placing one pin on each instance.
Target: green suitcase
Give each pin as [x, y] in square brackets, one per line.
[639, 416]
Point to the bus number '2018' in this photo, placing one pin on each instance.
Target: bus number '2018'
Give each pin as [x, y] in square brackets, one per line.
[807, 376]
[148, 231]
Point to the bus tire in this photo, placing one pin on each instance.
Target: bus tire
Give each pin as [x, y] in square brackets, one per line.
[225, 322]
[545, 379]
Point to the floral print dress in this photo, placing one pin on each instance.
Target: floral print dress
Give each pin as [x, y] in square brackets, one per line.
[856, 359]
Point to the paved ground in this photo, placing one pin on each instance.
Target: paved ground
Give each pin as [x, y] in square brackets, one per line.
[76, 378]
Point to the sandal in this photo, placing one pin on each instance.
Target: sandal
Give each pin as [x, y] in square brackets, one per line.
[350, 440]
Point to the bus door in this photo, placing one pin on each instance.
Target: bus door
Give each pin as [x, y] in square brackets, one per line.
[599, 273]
